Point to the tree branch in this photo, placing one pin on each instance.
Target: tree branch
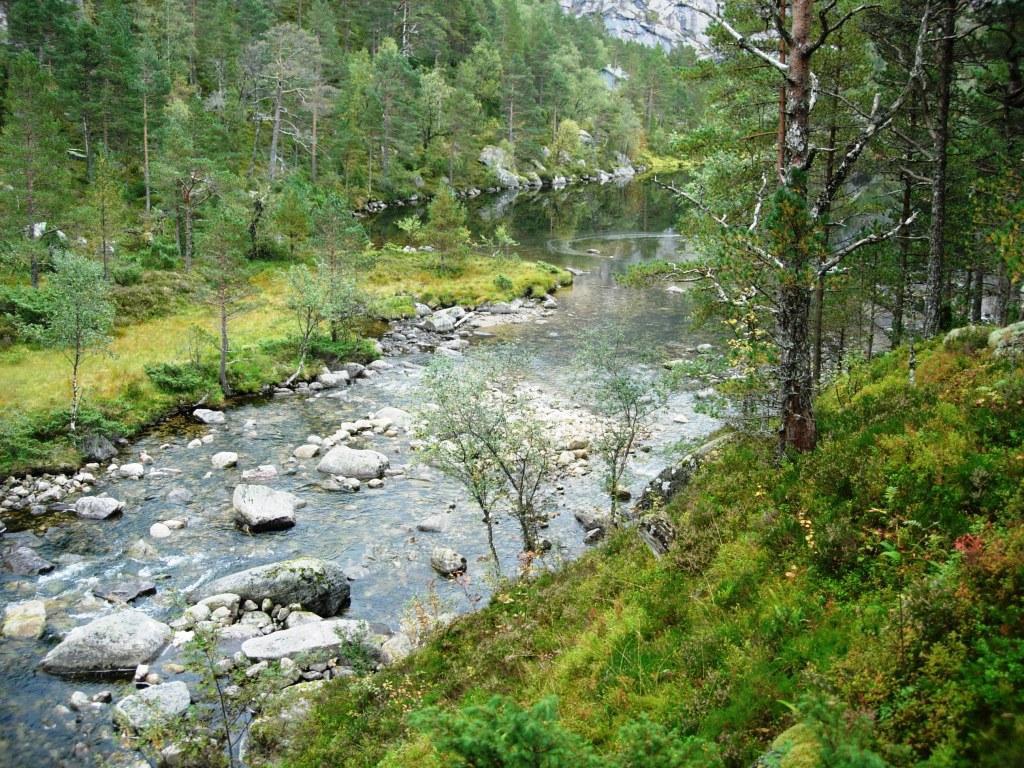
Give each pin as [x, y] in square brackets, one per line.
[741, 39]
[876, 237]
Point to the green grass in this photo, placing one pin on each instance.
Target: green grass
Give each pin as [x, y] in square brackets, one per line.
[35, 383]
[837, 590]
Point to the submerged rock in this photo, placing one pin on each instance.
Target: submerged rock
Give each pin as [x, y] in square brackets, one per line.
[316, 585]
[25, 620]
[258, 508]
[25, 561]
[351, 462]
[118, 642]
[126, 590]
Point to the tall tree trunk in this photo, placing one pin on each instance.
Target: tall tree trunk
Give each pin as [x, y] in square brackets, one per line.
[1002, 307]
[780, 162]
[798, 430]
[145, 151]
[315, 137]
[76, 390]
[898, 311]
[225, 386]
[275, 133]
[187, 239]
[978, 293]
[940, 142]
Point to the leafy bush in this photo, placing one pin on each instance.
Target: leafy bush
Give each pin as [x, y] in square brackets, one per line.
[126, 274]
[182, 378]
[501, 734]
[503, 283]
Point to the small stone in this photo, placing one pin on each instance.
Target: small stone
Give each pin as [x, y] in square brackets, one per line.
[224, 459]
[159, 531]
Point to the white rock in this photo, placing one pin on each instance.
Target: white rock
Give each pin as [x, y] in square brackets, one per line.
[159, 531]
[207, 416]
[259, 508]
[306, 451]
[133, 471]
[350, 462]
[224, 459]
[97, 507]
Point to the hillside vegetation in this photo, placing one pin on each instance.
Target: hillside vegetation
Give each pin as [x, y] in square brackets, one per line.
[868, 593]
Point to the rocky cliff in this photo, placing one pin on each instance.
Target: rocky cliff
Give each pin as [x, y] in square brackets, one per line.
[661, 23]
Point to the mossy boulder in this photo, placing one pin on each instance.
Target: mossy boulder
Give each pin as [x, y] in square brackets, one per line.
[798, 747]
[1008, 341]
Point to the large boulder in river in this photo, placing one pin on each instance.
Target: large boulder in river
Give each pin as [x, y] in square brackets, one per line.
[351, 462]
[317, 585]
[258, 508]
[97, 507]
[118, 642]
[307, 638]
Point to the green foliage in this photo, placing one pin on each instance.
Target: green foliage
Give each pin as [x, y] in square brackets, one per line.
[501, 734]
[183, 379]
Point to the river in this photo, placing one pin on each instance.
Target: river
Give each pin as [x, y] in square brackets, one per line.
[374, 529]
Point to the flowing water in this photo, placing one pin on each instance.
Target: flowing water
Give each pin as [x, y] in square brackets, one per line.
[372, 528]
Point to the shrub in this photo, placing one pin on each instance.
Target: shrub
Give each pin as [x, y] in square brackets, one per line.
[503, 283]
[127, 274]
[182, 378]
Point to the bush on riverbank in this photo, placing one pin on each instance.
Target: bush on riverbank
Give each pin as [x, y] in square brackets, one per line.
[871, 593]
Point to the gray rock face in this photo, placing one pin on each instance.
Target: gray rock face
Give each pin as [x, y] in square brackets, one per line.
[258, 508]
[654, 23]
[317, 585]
[447, 561]
[350, 462]
[118, 642]
[97, 507]
[155, 705]
[315, 636]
